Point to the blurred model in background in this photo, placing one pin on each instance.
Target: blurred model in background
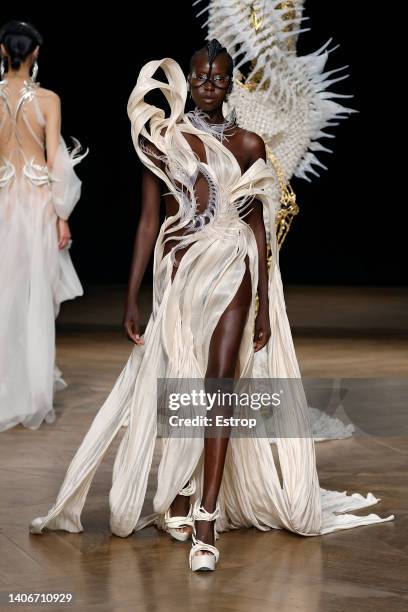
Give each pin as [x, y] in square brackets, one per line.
[38, 191]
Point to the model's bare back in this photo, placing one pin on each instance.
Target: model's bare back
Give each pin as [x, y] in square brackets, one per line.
[36, 114]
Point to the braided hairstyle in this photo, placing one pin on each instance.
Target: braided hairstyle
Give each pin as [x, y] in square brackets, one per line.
[213, 48]
[20, 38]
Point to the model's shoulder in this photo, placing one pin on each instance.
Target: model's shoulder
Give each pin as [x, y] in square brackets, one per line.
[48, 94]
[50, 100]
[253, 144]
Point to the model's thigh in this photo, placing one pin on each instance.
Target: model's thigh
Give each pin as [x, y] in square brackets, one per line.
[227, 335]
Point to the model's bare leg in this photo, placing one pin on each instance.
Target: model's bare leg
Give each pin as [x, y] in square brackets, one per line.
[180, 507]
[222, 361]
[181, 504]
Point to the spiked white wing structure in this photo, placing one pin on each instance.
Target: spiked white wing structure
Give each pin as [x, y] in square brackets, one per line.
[285, 97]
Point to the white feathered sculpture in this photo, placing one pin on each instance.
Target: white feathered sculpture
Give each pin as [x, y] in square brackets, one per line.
[284, 97]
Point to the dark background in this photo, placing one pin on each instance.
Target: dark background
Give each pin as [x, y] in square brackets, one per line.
[349, 230]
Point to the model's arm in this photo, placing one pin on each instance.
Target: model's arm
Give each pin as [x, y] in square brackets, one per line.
[256, 149]
[145, 238]
[52, 115]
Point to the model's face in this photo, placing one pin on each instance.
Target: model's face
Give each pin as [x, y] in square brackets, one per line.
[209, 88]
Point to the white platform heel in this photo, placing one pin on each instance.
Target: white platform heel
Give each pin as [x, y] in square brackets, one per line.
[206, 562]
[173, 523]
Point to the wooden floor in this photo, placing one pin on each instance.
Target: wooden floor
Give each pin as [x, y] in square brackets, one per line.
[339, 332]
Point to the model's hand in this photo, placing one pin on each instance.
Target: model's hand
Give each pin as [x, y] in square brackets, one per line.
[131, 324]
[262, 329]
[64, 235]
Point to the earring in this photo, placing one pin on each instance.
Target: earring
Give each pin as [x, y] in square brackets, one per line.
[34, 72]
[2, 68]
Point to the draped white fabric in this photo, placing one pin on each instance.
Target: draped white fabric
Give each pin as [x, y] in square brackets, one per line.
[35, 276]
[177, 338]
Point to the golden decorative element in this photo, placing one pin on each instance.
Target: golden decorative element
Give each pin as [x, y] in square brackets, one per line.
[257, 23]
[289, 207]
[284, 217]
[254, 21]
[251, 85]
[247, 86]
[289, 16]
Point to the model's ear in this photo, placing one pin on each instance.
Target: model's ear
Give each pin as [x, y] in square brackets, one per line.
[3, 50]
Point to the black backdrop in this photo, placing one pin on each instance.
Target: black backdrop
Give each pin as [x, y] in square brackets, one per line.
[346, 232]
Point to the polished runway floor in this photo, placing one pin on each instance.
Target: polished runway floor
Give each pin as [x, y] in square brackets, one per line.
[338, 332]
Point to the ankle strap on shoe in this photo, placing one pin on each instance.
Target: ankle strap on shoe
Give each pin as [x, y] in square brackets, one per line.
[189, 489]
[176, 522]
[201, 514]
[199, 545]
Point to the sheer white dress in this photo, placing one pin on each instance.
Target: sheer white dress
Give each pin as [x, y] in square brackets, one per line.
[35, 276]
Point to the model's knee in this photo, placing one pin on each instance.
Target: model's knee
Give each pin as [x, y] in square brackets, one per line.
[221, 370]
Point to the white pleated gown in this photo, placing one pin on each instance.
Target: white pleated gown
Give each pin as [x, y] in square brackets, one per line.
[177, 339]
